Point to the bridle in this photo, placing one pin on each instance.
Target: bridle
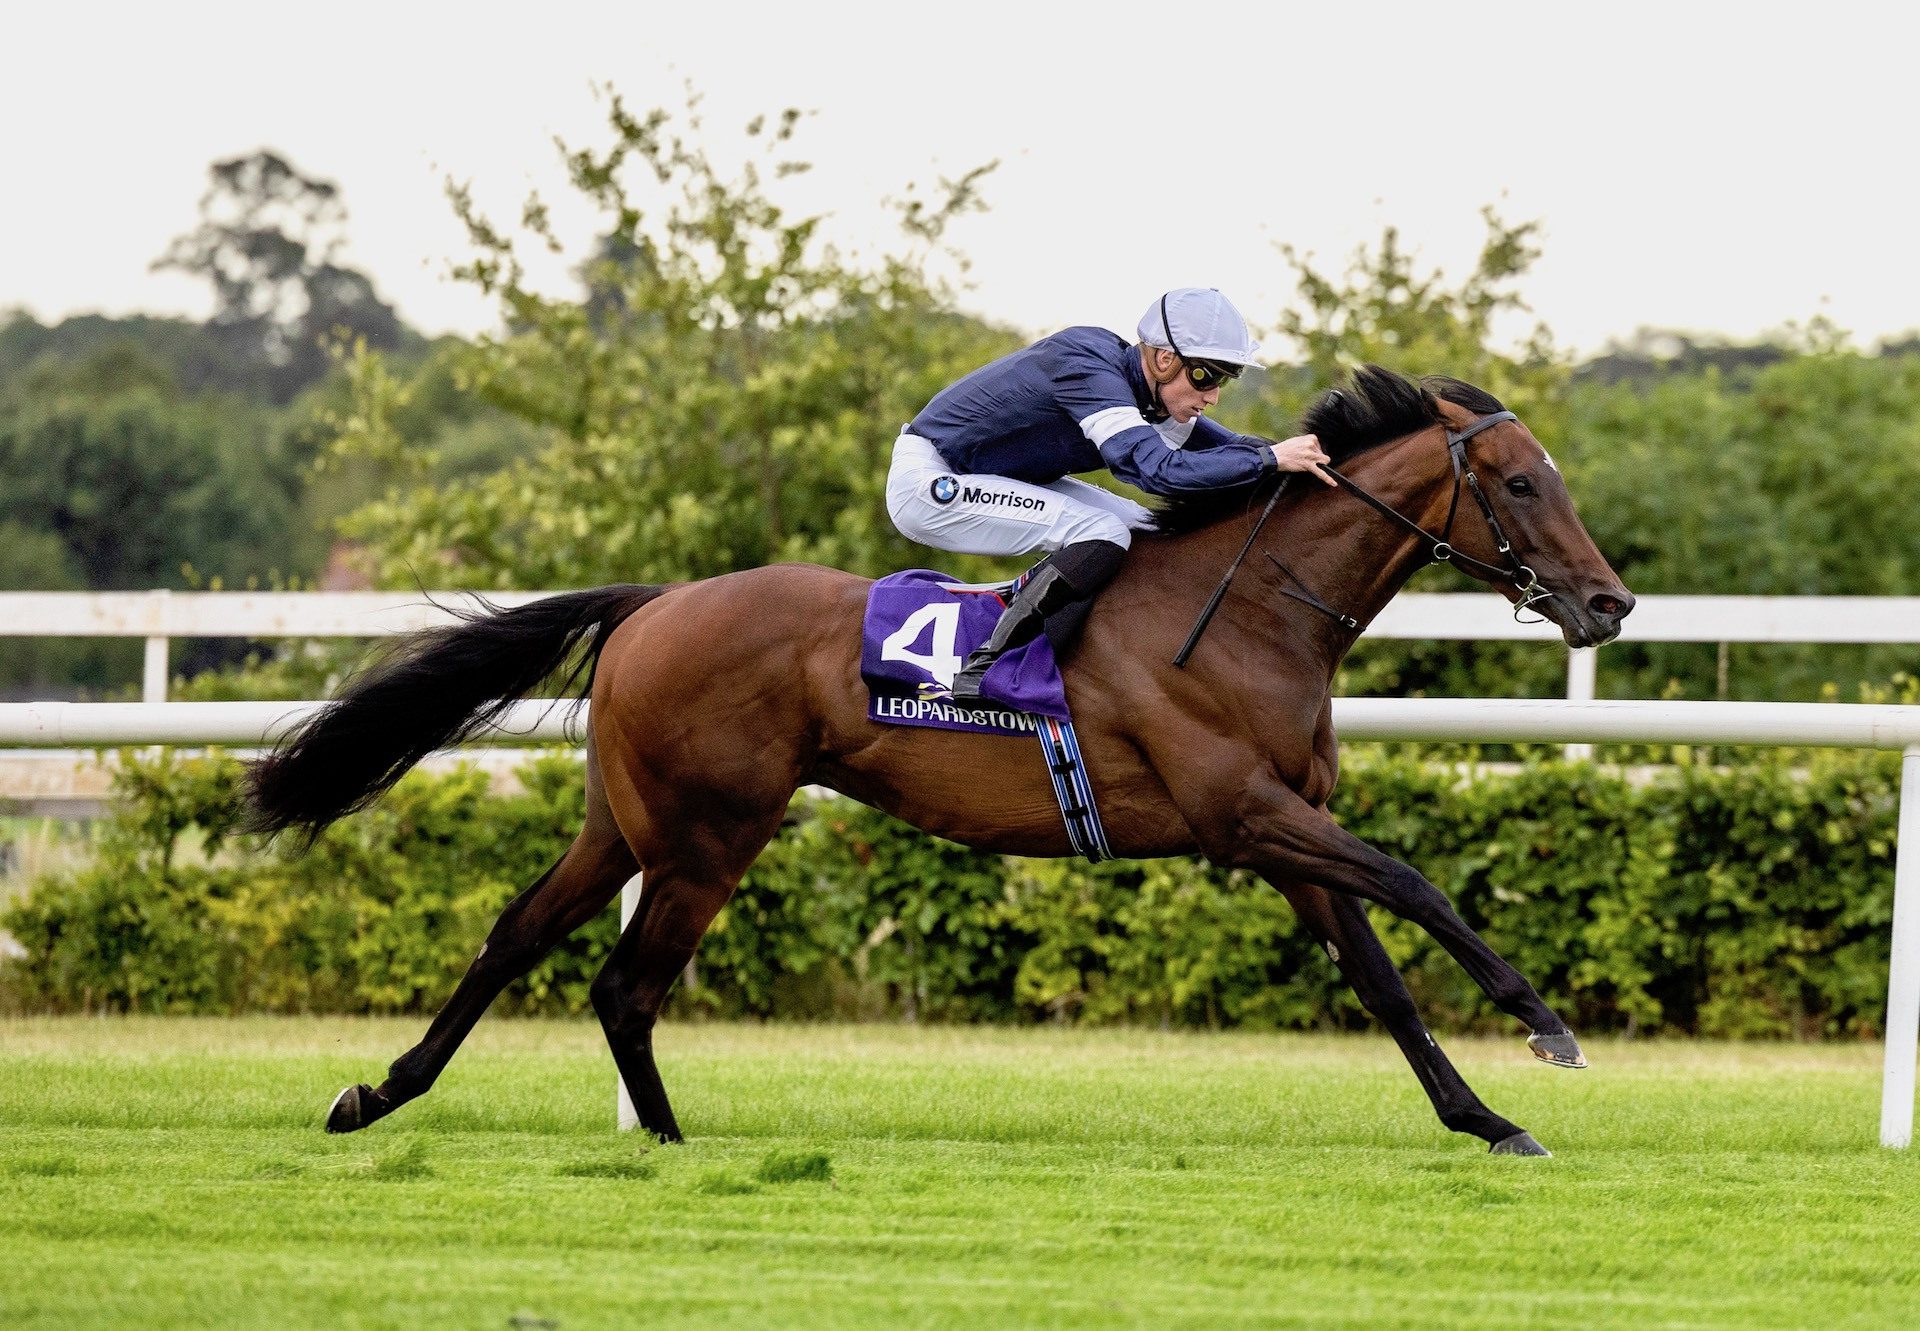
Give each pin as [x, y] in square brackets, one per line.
[1439, 549]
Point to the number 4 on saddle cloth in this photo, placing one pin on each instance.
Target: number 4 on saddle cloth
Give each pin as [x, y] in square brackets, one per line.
[919, 627]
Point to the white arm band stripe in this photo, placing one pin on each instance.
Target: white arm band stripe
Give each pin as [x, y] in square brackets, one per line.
[1105, 424]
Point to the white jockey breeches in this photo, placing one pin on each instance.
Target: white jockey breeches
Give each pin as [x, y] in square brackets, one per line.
[993, 515]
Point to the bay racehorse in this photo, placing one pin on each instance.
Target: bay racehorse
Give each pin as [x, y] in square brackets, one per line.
[713, 701]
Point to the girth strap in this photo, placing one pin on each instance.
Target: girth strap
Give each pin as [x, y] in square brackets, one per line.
[1072, 789]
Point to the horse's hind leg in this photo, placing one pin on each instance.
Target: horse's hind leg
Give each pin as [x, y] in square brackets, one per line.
[573, 891]
[1340, 925]
[681, 894]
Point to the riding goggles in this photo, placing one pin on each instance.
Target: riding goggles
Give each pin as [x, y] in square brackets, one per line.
[1207, 375]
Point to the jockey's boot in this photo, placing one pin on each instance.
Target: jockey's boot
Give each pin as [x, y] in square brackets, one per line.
[1065, 579]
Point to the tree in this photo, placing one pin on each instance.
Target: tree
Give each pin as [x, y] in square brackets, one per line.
[724, 392]
[1653, 354]
[1383, 311]
[187, 356]
[1771, 482]
[110, 481]
[142, 492]
[268, 241]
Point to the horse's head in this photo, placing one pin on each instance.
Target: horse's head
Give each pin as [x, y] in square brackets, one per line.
[1516, 521]
[1447, 464]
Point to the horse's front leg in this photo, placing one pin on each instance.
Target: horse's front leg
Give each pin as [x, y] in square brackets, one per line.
[1276, 833]
[1340, 925]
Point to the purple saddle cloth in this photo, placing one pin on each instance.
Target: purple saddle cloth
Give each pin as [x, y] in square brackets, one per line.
[919, 627]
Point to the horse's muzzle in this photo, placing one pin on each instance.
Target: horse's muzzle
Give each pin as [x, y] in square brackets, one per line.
[1606, 610]
[1594, 622]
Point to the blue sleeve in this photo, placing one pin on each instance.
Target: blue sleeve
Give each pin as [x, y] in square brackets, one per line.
[1100, 401]
[1209, 433]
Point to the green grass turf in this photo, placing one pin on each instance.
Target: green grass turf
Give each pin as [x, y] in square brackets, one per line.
[160, 1172]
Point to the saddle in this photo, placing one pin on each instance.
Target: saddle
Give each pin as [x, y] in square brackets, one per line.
[918, 629]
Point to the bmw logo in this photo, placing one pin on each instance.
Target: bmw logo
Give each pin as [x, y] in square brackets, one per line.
[945, 489]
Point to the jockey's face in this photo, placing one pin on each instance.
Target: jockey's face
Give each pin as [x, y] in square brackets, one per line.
[1181, 399]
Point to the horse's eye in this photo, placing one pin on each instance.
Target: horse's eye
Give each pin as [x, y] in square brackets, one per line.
[1520, 485]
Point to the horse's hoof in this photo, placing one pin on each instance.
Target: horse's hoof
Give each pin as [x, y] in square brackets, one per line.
[349, 1111]
[1562, 1050]
[1521, 1143]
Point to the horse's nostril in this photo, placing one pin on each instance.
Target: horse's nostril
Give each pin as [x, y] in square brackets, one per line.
[1603, 604]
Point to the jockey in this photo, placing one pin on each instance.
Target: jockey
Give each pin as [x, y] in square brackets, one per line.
[983, 469]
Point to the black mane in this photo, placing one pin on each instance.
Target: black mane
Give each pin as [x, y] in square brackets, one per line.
[1375, 406]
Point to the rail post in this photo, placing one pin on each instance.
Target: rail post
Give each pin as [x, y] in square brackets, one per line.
[1903, 975]
[153, 673]
[1582, 663]
[623, 1103]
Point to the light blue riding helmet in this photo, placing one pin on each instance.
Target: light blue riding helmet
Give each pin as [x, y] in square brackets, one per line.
[1198, 323]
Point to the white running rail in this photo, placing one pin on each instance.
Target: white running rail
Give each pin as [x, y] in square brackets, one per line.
[160, 616]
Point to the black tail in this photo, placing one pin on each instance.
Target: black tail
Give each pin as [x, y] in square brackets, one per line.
[438, 687]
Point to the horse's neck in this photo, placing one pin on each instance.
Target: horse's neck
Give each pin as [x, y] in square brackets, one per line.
[1343, 553]
[1352, 558]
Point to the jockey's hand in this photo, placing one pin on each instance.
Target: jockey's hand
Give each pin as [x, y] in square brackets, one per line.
[1302, 453]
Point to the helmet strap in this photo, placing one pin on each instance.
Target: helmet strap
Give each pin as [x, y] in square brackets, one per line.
[1155, 379]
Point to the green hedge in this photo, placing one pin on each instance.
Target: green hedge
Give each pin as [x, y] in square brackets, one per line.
[1749, 901]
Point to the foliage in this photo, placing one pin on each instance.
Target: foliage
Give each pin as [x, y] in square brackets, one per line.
[109, 480]
[170, 918]
[189, 358]
[140, 489]
[1747, 901]
[1771, 484]
[123, 466]
[1165, 942]
[268, 242]
[1649, 355]
[291, 668]
[33, 558]
[1382, 310]
[723, 392]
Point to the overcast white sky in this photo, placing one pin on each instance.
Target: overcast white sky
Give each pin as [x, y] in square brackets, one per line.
[1722, 168]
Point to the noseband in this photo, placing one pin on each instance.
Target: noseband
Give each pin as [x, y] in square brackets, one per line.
[1439, 548]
